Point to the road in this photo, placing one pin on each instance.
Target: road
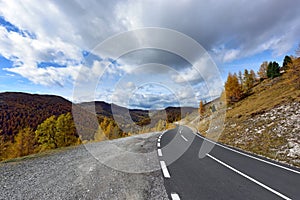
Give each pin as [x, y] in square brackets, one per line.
[75, 172]
[222, 173]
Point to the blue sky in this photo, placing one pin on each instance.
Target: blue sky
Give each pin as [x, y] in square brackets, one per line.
[52, 52]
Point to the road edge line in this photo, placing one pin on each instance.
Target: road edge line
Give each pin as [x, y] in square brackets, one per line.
[175, 196]
[249, 178]
[164, 169]
[244, 154]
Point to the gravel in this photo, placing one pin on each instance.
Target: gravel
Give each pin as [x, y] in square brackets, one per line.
[81, 173]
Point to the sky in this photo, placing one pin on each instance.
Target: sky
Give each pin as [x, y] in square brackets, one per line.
[58, 47]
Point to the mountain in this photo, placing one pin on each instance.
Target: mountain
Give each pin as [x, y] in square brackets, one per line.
[19, 110]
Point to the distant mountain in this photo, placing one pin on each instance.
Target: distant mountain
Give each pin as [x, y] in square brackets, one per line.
[19, 110]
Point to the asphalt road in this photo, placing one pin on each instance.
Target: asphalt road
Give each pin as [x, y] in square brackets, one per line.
[222, 173]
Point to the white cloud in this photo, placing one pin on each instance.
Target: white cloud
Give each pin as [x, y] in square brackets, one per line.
[63, 30]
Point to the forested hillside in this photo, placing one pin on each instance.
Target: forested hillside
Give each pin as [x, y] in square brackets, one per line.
[20, 110]
[31, 123]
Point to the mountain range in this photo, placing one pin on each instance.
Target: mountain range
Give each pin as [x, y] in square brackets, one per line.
[19, 110]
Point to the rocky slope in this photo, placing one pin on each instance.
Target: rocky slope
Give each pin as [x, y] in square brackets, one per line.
[274, 133]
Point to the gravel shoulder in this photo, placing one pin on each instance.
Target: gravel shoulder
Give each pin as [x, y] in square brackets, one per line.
[82, 173]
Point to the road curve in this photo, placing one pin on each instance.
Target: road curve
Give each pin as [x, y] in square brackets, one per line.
[224, 173]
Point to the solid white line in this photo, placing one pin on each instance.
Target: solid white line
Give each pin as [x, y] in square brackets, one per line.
[175, 196]
[165, 169]
[250, 178]
[244, 154]
[158, 144]
[159, 152]
[184, 138]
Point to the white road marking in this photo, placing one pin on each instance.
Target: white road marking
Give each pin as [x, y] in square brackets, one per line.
[158, 140]
[159, 152]
[165, 169]
[184, 138]
[158, 144]
[175, 196]
[250, 178]
[244, 154]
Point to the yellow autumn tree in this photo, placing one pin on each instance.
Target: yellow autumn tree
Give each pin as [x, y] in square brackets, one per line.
[262, 72]
[24, 143]
[233, 89]
[201, 108]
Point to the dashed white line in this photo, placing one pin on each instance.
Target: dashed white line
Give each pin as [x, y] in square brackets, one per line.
[175, 196]
[158, 140]
[158, 144]
[159, 152]
[250, 178]
[244, 154]
[184, 138]
[165, 169]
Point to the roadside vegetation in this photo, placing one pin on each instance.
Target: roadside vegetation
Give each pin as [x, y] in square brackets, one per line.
[262, 111]
[58, 132]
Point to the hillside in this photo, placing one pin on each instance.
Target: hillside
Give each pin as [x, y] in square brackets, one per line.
[20, 110]
[267, 121]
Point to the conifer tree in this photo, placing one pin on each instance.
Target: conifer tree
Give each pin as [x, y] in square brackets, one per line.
[273, 70]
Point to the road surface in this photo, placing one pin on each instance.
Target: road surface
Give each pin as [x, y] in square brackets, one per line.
[222, 173]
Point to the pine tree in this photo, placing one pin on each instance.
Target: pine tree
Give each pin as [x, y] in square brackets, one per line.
[273, 70]
[286, 61]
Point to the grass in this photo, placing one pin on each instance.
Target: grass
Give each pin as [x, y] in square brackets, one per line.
[265, 96]
[239, 127]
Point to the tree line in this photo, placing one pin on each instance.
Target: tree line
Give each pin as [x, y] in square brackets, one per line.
[54, 132]
[238, 86]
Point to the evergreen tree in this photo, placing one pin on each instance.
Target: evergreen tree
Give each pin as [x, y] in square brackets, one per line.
[273, 70]
[286, 61]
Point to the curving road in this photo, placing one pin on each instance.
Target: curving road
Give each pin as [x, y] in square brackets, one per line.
[222, 173]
